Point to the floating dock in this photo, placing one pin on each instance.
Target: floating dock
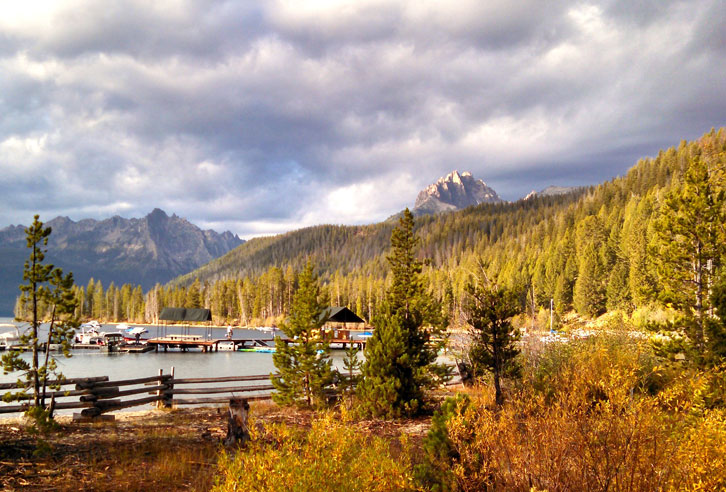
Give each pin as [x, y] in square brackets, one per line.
[185, 342]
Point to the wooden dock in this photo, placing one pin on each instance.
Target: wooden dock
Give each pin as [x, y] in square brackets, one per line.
[342, 343]
[186, 342]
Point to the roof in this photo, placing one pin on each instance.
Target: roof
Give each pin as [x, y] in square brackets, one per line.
[185, 314]
[338, 314]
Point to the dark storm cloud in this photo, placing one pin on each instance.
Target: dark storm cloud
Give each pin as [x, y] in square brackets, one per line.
[265, 116]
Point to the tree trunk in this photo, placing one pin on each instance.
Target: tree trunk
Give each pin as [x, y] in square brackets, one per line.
[36, 381]
[237, 430]
[47, 354]
[497, 372]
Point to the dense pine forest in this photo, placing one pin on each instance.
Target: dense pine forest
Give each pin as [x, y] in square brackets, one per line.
[591, 251]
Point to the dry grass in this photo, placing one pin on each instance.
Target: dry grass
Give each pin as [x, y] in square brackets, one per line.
[153, 450]
[160, 450]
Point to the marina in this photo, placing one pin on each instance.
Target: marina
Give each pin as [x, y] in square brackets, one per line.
[142, 360]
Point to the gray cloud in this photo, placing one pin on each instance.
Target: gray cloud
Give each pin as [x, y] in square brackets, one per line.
[265, 116]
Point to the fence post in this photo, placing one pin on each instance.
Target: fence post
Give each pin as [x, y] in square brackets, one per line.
[158, 382]
[168, 396]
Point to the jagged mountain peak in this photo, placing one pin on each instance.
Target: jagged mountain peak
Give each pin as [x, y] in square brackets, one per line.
[155, 248]
[453, 192]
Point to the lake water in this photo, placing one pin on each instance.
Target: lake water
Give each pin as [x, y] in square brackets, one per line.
[191, 364]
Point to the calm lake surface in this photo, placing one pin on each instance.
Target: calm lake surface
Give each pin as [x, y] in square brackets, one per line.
[191, 364]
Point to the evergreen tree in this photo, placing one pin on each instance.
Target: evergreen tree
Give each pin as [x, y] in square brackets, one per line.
[400, 356]
[194, 295]
[488, 310]
[304, 365]
[618, 291]
[716, 327]
[589, 293]
[690, 245]
[351, 364]
[46, 285]
[63, 324]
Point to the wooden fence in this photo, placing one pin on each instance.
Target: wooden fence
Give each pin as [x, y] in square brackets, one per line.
[98, 395]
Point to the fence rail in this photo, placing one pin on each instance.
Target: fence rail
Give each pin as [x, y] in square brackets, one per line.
[98, 395]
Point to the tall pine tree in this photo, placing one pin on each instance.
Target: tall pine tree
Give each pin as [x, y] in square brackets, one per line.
[46, 287]
[304, 365]
[400, 356]
[489, 310]
[690, 247]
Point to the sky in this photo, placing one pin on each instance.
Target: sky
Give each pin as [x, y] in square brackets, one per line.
[263, 117]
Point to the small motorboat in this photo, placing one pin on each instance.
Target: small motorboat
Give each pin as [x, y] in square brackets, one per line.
[89, 335]
[9, 339]
[262, 350]
[226, 345]
[132, 333]
[112, 342]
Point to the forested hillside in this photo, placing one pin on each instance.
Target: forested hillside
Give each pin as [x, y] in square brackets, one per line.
[591, 250]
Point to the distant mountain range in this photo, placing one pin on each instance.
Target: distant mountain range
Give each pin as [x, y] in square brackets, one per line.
[143, 251]
[454, 191]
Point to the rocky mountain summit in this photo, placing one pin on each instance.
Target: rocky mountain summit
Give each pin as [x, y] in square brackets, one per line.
[454, 192]
[143, 251]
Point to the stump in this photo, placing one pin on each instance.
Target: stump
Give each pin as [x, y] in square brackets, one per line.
[467, 378]
[237, 431]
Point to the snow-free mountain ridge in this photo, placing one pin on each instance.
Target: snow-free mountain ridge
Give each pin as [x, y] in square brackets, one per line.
[454, 191]
[155, 248]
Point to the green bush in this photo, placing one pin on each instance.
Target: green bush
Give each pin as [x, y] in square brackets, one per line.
[435, 473]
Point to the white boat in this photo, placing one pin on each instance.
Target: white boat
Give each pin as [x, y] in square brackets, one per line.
[9, 339]
[135, 330]
[227, 345]
[91, 325]
[112, 342]
[89, 337]
[132, 333]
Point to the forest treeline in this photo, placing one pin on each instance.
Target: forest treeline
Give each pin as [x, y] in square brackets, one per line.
[590, 251]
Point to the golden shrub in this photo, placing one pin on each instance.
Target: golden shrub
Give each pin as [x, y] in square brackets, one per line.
[592, 422]
[330, 456]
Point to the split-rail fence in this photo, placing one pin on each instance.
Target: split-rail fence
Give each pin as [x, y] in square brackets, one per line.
[98, 395]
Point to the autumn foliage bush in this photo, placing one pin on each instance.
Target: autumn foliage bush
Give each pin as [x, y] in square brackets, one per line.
[330, 456]
[601, 414]
[595, 415]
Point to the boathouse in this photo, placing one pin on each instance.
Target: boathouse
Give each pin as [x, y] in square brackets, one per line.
[340, 321]
[184, 317]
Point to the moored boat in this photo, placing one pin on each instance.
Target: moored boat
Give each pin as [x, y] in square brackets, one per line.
[133, 333]
[9, 339]
[264, 350]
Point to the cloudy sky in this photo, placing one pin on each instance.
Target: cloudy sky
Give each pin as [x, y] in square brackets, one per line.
[261, 117]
